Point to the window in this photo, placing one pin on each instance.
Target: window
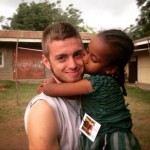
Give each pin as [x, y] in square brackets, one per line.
[1, 59]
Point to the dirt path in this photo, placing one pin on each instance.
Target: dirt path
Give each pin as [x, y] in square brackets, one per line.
[13, 136]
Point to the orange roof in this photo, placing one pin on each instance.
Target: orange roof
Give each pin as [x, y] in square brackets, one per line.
[33, 34]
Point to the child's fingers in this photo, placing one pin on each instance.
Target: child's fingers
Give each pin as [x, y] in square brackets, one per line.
[40, 87]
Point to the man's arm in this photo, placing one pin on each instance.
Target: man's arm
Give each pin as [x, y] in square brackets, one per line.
[42, 127]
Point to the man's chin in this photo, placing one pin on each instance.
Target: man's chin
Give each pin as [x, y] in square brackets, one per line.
[68, 79]
[73, 80]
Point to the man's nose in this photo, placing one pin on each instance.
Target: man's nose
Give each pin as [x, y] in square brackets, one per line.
[72, 63]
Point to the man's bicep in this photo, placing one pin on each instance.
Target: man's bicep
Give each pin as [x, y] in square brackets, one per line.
[42, 127]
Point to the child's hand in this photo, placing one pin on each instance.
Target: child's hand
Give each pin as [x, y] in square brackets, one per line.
[42, 84]
[40, 87]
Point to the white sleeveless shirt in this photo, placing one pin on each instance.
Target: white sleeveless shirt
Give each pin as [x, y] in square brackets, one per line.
[68, 119]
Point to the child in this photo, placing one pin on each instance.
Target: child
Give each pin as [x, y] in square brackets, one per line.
[102, 97]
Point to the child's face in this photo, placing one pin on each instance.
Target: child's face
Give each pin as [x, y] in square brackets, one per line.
[96, 58]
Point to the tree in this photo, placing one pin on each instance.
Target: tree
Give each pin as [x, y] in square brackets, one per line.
[1, 20]
[36, 16]
[142, 27]
[4, 22]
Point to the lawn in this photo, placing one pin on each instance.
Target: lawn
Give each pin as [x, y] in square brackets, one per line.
[139, 105]
[13, 136]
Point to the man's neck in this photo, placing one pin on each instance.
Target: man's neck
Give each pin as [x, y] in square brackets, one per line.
[57, 81]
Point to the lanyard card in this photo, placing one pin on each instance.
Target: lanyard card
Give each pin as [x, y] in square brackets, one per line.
[89, 127]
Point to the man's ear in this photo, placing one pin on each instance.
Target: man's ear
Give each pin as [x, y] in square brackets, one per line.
[46, 62]
[112, 70]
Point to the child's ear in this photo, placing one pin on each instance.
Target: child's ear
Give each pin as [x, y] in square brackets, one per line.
[46, 62]
[111, 70]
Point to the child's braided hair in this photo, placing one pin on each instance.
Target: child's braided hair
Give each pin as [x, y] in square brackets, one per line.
[122, 49]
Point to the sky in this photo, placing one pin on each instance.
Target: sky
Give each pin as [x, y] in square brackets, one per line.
[98, 14]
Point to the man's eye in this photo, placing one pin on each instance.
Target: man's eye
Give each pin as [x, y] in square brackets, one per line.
[61, 59]
[79, 54]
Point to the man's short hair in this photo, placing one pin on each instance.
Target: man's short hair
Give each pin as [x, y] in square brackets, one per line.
[58, 31]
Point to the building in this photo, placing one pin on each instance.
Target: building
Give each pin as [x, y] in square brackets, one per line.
[20, 54]
[139, 65]
[20, 57]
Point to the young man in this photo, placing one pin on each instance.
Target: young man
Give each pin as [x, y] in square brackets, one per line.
[52, 123]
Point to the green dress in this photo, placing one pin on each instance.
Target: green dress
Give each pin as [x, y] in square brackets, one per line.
[106, 105]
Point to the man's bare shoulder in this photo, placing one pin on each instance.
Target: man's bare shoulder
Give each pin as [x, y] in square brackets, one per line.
[41, 110]
[40, 105]
[42, 125]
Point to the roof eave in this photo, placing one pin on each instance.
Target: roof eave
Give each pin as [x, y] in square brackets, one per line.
[30, 40]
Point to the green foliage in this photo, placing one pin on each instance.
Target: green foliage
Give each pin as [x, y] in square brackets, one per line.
[36, 16]
[3, 21]
[1, 18]
[142, 27]
[140, 2]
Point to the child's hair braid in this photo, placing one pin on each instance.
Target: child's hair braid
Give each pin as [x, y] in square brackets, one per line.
[122, 49]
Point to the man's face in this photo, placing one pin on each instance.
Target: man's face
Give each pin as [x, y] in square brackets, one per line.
[65, 59]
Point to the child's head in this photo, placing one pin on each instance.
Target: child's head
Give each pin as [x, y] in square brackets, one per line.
[108, 53]
[120, 44]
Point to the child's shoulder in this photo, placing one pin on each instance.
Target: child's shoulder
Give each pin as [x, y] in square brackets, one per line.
[100, 79]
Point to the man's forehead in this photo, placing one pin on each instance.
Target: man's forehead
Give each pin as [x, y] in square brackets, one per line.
[68, 52]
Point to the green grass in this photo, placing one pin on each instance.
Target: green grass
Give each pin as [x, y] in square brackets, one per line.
[139, 94]
[139, 105]
[138, 99]
[13, 103]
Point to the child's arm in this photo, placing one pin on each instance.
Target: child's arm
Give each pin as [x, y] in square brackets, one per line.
[67, 89]
[40, 87]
